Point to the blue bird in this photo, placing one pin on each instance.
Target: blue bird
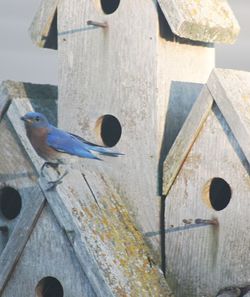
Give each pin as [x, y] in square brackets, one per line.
[56, 146]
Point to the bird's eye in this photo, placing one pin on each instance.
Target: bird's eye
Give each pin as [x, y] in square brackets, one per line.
[37, 119]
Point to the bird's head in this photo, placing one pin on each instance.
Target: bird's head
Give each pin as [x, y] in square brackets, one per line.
[35, 120]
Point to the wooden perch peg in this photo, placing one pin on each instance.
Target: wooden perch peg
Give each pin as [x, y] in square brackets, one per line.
[188, 225]
[97, 24]
[207, 222]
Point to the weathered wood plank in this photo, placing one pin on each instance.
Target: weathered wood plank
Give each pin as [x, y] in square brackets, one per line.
[231, 91]
[20, 234]
[186, 138]
[207, 20]
[43, 25]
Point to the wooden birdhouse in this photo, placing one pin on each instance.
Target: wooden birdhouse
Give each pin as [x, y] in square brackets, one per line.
[122, 66]
[207, 184]
[75, 240]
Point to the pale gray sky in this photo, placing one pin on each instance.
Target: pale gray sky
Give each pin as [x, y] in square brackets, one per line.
[237, 56]
[21, 60]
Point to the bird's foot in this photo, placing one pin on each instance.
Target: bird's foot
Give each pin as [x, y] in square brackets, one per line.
[55, 166]
[49, 164]
[54, 183]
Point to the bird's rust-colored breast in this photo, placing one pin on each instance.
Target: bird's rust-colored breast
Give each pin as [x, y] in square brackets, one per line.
[38, 139]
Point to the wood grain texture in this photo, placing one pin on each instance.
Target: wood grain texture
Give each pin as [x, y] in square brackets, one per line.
[231, 91]
[186, 138]
[48, 253]
[125, 70]
[41, 26]
[202, 261]
[207, 20]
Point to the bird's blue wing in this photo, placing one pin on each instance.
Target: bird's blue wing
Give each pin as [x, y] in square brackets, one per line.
[97, 148]
[66, 143]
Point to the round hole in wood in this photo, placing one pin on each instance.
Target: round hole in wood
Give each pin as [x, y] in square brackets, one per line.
[217, 193]
[10, 203]
[109, 6]
[49, 287]
[109, 130]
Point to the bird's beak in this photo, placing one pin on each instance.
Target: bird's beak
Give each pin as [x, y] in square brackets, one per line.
[25, 120]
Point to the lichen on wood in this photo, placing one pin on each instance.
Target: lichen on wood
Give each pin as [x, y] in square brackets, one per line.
[206, 20]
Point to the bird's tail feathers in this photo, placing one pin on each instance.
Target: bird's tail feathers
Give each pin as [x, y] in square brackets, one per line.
[105, 151]
[111, 154]
[97, 148]
[96, 158]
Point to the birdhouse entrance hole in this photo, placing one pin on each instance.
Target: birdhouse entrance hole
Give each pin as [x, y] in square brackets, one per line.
[109, 6]
[217, 193]
[109, 129]
[10, 203]
[49, 287]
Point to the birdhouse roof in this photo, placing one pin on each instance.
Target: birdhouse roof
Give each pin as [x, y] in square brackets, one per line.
[206, 21]
[43, 30]
[201, 20]
[230, 91]
[108, 246]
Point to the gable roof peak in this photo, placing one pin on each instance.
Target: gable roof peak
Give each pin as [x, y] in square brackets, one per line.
[230, 90]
